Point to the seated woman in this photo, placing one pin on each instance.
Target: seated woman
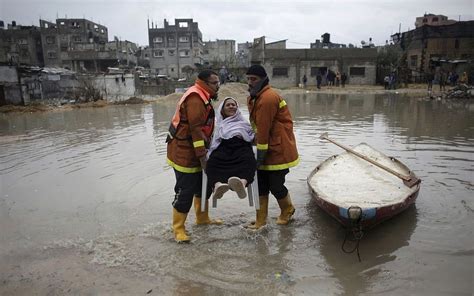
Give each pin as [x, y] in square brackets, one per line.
[231, 163]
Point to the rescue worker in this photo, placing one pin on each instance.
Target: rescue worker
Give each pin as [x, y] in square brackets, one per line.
[276, 145]
[189, 134]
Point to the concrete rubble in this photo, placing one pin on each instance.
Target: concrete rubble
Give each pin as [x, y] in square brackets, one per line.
[461, 91]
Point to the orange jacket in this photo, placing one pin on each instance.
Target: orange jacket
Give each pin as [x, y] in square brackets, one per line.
[271, 121]
[191, 129]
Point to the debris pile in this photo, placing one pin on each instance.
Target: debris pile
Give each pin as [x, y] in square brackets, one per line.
[130, 101]
[461, 91]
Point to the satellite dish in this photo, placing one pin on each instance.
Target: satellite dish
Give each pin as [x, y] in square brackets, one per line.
[362, 42]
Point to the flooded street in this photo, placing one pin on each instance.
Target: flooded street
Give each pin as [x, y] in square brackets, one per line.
[85, 207]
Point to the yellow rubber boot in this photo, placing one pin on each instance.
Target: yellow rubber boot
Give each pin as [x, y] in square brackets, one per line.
[287, 210]
[261, 214]
[202, 218]
[178, 227]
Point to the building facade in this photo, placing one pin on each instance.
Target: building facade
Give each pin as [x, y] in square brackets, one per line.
[77, 44]
[63, 39]
[175, 49]
[286, 67]
[21, 45]
[219, 52]
[427, 45]
[433, 20]
[243, 54]
[126, 52]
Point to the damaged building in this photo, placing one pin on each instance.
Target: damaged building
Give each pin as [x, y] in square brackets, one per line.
[20, 45]
[76, 44]
[73, 43]
[26, 84]
[23, 85]
[175, 49]
[437, 40]
[219, 52]
[243, 54]
[82, 46]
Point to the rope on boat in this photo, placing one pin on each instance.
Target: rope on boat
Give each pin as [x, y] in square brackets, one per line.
[357, 234]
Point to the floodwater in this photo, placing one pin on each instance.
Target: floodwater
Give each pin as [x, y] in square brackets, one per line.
[85, 207]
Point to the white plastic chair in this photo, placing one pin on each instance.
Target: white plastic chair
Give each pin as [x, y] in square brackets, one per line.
[252, 190]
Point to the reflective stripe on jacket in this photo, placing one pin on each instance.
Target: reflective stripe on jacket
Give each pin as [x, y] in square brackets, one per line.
[272, 122]
[190, 129]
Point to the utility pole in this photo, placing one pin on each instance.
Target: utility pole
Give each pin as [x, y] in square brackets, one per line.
[177, 49]
[19, 83]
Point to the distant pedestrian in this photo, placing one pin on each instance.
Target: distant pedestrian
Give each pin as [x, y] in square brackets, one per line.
[454, 78]
[386, 81]
[223, 75]
[464, 79]
[442, 80]
[429, 81]
[319, 78]
[338, 78]
[305, 80]
[450, 78]
[393, 81]
[330, 78]
[343, 79]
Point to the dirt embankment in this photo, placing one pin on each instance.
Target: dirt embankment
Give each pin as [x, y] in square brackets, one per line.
[357, 89]
[39, 107]
[236, 90]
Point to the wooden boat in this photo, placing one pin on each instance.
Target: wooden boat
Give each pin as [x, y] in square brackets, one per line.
[356, 192]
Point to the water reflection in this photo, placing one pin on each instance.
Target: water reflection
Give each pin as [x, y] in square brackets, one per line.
[162, 113]
[67, 172]
[414, 117]
[378, 246]
[339, 106]
[232, 260]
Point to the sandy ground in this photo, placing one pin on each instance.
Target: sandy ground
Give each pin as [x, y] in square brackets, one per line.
[236, 90]
[69, 272]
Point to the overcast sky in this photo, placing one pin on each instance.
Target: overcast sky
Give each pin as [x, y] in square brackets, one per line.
[300, 21]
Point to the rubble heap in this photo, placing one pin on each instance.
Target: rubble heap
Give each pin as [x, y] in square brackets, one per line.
[461, 91]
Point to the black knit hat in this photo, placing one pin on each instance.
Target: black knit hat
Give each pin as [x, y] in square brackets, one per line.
[257, 70]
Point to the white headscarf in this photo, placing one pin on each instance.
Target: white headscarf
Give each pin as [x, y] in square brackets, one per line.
[226, 128]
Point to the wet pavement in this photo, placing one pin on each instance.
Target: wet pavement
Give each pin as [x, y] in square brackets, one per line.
[85, 207]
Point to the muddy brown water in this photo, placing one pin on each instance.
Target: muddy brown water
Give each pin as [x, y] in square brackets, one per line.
[85, 207]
